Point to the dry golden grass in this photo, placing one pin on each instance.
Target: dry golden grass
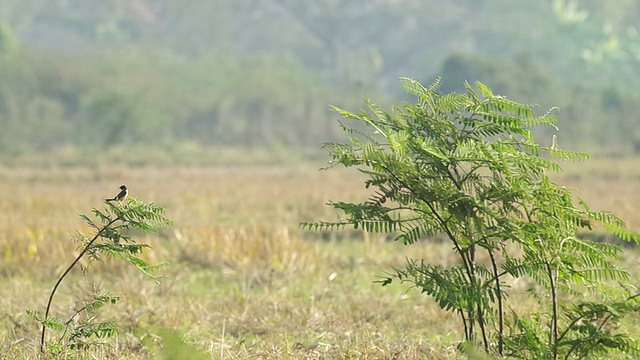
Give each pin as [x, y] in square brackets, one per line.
[243, 280]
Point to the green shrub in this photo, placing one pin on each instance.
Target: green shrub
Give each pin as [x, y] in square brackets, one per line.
[466, 166]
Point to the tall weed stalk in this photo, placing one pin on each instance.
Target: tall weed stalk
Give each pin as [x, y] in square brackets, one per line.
[111, 227]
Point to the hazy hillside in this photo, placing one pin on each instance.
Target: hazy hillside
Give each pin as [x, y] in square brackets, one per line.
[94, 74]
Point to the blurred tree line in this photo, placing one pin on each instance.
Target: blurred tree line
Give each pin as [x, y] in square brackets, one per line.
[93, 74]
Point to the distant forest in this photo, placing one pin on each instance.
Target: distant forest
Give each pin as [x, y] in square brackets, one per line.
[93, 74]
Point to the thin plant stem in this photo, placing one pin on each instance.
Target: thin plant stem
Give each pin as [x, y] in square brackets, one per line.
[500, 305]
[65, 273]
[553, 336]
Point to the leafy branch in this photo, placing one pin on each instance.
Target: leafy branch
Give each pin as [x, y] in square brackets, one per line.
[108, 241]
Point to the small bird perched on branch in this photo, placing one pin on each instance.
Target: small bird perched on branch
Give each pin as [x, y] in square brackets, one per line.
[121, 195]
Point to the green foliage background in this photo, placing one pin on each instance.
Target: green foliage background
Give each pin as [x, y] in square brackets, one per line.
[96, 74]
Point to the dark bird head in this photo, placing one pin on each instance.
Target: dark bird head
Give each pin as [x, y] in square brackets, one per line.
[122, 187]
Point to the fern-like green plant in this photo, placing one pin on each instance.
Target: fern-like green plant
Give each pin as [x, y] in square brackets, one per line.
[108, 241]
[466, 166]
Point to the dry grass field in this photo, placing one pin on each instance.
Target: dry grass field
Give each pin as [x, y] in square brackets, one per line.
[243, 281]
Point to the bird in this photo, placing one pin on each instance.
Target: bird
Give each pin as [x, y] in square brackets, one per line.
[121, 195]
